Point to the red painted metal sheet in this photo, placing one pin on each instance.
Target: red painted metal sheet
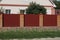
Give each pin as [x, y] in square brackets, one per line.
[31, 20]
[49, 20]
[11, 20]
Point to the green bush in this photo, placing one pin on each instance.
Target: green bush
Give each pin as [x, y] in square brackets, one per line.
[34, 8]
[28, 34]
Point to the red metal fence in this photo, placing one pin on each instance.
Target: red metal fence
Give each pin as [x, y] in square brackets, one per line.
[49, 20]
[11, 20]
[31, 20]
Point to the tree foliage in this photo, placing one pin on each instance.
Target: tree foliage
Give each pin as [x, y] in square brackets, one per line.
[34, 8]
[57, 4]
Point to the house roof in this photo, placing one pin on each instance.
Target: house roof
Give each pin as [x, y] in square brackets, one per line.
[26, 2]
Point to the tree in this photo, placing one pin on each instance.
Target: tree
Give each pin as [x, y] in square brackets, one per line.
[57, 3]
[34, 8]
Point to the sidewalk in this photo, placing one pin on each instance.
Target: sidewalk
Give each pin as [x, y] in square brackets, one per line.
[35, 39]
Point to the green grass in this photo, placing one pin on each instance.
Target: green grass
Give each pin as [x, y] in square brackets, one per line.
[11, 34]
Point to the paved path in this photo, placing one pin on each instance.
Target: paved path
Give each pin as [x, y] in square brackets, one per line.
[35, 39]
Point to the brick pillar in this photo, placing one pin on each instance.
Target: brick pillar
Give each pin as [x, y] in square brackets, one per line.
[1, 20]
[58, 20]
[21, 20]
[41, 20]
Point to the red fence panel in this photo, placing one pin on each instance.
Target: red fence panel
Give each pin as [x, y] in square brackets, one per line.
[11, 20]
[31, 20]
[49, 20]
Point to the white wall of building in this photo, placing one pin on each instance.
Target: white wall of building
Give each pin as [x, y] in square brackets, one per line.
[16, 10]
[48, 10]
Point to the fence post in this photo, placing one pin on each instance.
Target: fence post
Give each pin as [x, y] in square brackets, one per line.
[58, 20]
[1, 20]
[41, 20]
[21, 20]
